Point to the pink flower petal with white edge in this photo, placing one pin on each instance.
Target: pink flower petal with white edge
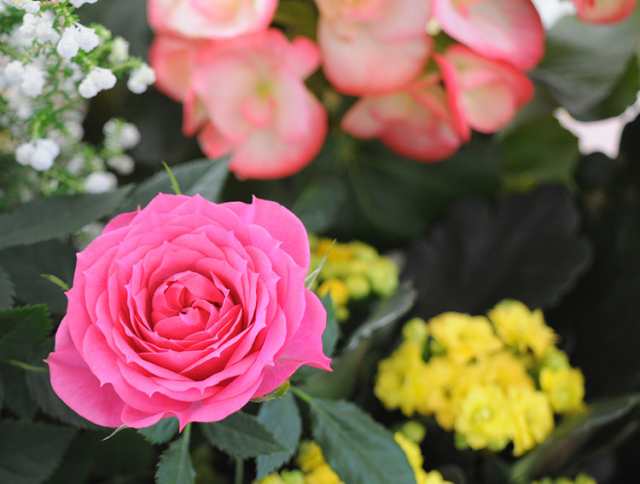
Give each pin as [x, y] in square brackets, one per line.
[484, 94]
[604, 11]
[414, 122]
[358, 63]
[509, 30]
[206, 19]
[172, 59]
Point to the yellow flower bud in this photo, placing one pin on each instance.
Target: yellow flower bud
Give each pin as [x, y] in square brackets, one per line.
[564, 388]
[414, 431]
[383, 274]
[336, 289]
[358, 286]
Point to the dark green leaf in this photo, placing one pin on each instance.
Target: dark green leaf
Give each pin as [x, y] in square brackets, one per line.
[526, 248]
[581, 434]
[23, 332]
[30, 452]
[400, 197]
[204, 177]
[386, 313]
[175, 465]
[53, 217]
[16, 393]
[27, 263]
[7, 291]
[584, 63]
[360, 450]
[332, 331]
[525, 165]
[282, 418]
[80, 457]
[242, 436]
[318, 206]
[40, 390]
[162, 432]
[127, 453]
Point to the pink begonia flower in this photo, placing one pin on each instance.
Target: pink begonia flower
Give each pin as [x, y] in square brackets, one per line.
[173, 60]
[258, 107]
[509, 30]
[414, 121]
[373, 46]
[210, 19]
[484, 94]
[187, 309]
[604, 11]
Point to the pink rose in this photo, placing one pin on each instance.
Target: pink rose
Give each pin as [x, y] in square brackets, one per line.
[373, 46]
[508, 30]
[604, 11]
[210, 19]
[257, 105]
[485, 94]
[187, 309]
[414, 121]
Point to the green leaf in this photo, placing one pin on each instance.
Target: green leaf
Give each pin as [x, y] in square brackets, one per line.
[584, 63]
[23, 332]
[385, 314]
[282, 418]
[525, 247]
[524, 165]
[53, 217]
[30, 452]
[7, 291]
[175, 465]
[352, 362]
[242, 436]
[360, 450]
[580, 436]
[318, 206]
[16, 393]
[204, 177]
[331, 333]
[27, 263]
[162, 432]
[39, 385]
[399, 197]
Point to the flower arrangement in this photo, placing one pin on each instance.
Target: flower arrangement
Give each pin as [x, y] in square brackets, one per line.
[393, 264]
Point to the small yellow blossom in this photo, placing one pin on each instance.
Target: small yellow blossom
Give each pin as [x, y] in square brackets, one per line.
[383, 274]
[506, 371]
[271, 479]
[564, 388]
[415, 330]
[521, 328]
[464, 337]
[445, 385]
[336, 289]
[484, 420]
[532, 419]
[322, 475]
[414, 456]
[414, 431]
[401, 381]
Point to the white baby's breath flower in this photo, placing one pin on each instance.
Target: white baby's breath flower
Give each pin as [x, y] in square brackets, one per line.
[119, 51]
[122, 164]
[87, 38]
[141, 79]
[120, 135]
[68, 46]
[46, 151]
[99, 79]
[14, 72]
[33, 81]
[24, 153]
[80, 3]
[100, 182]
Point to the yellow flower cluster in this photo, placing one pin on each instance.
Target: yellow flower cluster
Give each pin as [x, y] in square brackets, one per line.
[494, 380]
[580, 479]
[351, 271]
[315, 470]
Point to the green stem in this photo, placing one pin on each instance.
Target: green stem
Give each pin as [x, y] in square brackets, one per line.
[302, 395]
[239, 474]
[26, 366]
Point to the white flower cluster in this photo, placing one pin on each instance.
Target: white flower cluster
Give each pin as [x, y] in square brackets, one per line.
[50, 64]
